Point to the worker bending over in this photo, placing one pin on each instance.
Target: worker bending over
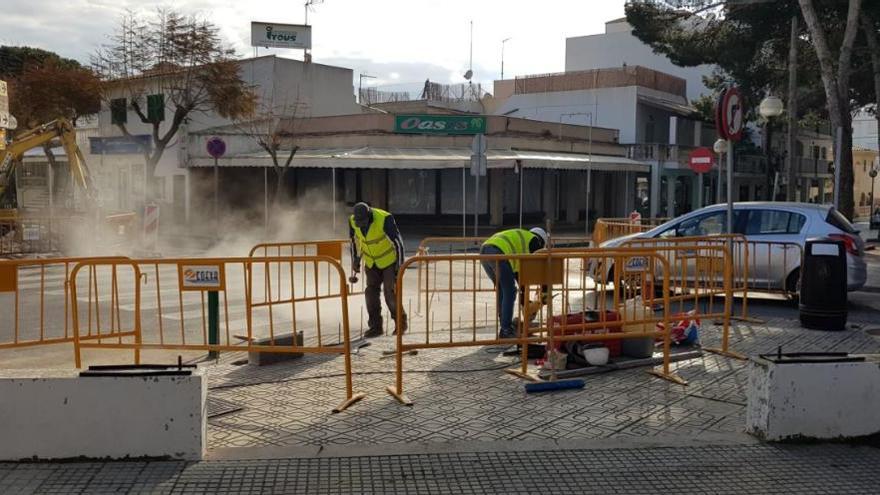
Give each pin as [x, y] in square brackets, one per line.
[510, 242]
[376, 239]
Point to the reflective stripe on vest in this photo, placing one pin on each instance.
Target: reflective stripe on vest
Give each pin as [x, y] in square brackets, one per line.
[513, 241]
[375, 248]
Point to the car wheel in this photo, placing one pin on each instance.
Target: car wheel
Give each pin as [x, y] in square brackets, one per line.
[793, 283]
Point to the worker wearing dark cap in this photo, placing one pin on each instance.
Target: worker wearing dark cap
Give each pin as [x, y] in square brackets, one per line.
[376, 239]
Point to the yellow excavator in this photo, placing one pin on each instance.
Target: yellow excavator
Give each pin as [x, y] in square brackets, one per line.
[59, 129]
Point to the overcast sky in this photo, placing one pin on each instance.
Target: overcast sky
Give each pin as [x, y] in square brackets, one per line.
[399, 41]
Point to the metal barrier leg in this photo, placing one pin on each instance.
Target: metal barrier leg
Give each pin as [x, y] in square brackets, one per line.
[351, 397]
[665, 373]
[396, 390]
[523, 332]
[213, 322]
[728, 309]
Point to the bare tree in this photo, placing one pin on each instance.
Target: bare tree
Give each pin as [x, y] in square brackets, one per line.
[169, 61]
[835, 80]
[274, 129]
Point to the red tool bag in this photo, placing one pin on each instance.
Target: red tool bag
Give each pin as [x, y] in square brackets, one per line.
[613, 325]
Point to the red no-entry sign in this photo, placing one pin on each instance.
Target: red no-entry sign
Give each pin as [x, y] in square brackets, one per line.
[701, 160]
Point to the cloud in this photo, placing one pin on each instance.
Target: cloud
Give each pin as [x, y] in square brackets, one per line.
[419, 39]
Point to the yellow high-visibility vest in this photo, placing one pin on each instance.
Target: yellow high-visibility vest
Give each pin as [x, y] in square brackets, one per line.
[512, 241]
[375, 248]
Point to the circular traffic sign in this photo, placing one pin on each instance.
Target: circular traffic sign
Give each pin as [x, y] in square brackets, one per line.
[732, 114]
[701, 160]
[216, 147]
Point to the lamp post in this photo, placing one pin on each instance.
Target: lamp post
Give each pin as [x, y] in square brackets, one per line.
[505, 40]
[770, 107]
[719, 147]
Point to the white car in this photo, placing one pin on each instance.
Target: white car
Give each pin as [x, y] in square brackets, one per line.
[773, 226]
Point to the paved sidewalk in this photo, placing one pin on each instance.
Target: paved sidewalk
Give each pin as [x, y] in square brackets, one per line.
[287, 405]
[728, 469]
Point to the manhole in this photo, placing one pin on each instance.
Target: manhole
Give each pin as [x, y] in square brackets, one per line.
[220, 407]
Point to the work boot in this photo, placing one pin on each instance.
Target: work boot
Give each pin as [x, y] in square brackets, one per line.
[403, 328]
[373, 332]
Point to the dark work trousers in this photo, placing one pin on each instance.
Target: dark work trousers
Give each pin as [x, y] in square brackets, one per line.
[505, 283]
[387, 279]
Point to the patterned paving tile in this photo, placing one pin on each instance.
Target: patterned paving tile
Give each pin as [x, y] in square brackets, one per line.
[463, 394]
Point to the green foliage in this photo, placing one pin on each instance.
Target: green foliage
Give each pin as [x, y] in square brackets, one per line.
[44, 86]
[14, 59]
[749, 42]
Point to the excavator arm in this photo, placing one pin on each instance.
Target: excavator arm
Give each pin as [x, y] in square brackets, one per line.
[59, 129]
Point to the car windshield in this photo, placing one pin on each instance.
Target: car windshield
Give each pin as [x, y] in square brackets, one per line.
[837, 219]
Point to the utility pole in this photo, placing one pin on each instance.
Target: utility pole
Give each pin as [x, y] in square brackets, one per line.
[505, 40]
[791, 158]
[361, 86]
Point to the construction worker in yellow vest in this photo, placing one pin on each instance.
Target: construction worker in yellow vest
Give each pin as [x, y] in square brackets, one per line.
[376, 239]
[510, 242]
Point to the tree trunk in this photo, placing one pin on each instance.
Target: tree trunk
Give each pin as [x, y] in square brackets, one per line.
[836, 84]
[280, 174]
[791, 138]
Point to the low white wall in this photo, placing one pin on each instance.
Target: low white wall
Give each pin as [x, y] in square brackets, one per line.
[812, 400]
[55, 414]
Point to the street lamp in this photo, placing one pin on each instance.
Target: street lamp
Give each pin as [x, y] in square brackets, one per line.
[719, 147]
[770, 107]
[505, 40]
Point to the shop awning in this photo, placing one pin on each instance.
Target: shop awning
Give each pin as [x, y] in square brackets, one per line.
[427, 158]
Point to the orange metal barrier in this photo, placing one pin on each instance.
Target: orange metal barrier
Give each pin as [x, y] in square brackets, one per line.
[431, 246]
[35, 301]
[766, 267]
[207, 305]
[337, 249]
[700, 270]
[562, 273]
[612, 228]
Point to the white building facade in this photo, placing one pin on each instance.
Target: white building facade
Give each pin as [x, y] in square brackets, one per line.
[617, 47]
[285, 87]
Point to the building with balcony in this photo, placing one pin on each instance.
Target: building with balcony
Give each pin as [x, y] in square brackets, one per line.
[650, 109]
[618, 47]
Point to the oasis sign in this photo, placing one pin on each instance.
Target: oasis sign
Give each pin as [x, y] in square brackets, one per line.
[440, 124]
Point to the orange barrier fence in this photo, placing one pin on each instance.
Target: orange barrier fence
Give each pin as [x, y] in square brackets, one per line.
[461, 314]
[35, 301]
[206, 305]
[765, 267]
[606, 229]
[455, 245]
[337, 249]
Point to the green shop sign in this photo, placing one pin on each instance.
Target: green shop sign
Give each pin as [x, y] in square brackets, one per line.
[440, 124]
